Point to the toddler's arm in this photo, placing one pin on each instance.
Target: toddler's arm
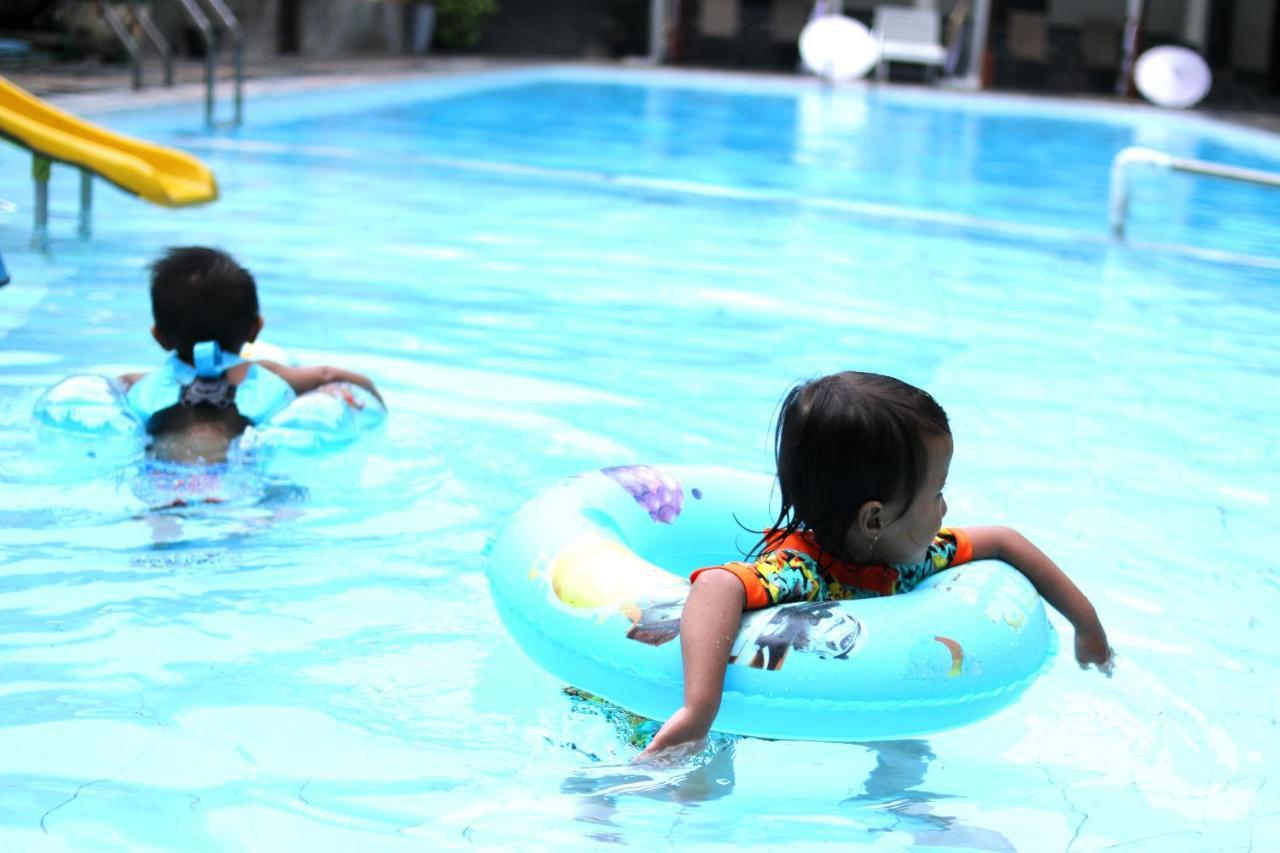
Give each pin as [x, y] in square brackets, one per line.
[304, 379]
[1003, 543]
[710, 621]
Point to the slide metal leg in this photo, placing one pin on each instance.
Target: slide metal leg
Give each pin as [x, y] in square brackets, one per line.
[40, 169]
[86, 204]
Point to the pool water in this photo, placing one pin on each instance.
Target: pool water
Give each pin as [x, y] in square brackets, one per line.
[554, 270]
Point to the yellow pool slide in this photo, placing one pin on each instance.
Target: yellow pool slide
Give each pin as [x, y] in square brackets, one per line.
[158, 174]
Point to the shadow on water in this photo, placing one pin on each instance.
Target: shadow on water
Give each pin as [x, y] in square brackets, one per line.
[893, 799]
[600, 789]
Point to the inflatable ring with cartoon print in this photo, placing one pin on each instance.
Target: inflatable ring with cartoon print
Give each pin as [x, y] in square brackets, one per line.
[590, 578]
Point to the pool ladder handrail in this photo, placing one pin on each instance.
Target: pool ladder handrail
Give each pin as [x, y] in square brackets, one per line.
[1138, 155]
[209, 35]
[132, 45]
[40, 169]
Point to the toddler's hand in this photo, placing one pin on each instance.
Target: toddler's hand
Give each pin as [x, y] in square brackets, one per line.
[671, 756]
[679, 736]
[1092, 648]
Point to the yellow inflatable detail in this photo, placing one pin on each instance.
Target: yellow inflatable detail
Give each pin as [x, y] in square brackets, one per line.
[595, 571]
[158, 174]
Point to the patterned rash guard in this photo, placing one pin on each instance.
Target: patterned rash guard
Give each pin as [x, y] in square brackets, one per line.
[798, 570]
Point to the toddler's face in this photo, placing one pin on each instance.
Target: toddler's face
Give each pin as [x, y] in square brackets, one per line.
[906, 537]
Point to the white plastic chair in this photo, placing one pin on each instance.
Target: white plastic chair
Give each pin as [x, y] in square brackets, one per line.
[908, 35]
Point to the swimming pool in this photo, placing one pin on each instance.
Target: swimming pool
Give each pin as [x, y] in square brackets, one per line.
[551, 270]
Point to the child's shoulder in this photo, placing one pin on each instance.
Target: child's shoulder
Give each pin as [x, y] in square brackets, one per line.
[798, 541]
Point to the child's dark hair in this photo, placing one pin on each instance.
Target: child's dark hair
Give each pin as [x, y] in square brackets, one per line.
[846, 439]
[201, 294]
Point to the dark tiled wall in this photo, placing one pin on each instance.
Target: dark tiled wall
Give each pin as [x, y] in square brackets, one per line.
[569, 28]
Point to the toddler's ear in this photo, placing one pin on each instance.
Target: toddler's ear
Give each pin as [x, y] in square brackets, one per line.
[160, 339]
[256, 329]
[870, 519]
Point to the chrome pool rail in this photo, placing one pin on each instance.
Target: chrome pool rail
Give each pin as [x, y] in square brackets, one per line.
[124, 33]
[209, 35]
[1135, 155]
[153, 34]
[121, 31]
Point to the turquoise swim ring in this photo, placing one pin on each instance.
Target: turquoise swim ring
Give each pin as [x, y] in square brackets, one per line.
[591, 575]
[86, 416]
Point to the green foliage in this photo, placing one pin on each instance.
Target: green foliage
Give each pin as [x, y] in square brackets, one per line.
[461, 23]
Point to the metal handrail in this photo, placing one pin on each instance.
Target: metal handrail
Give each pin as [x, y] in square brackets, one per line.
[1136, 155]
[157, 40]
[132, 45]
[209, 35]
[233, 28]
[210, 39]
[117, 25]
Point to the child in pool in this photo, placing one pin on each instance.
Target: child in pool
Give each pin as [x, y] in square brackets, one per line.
[862, 460]
[205, 307]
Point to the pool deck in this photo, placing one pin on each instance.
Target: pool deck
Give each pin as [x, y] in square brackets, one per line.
[93, 86]
[96, 86]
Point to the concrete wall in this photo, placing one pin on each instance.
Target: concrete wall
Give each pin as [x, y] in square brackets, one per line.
[327, 27]
[335, 27]
[258, 18]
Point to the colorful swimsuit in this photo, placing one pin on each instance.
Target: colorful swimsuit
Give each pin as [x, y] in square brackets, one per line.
[798, 570]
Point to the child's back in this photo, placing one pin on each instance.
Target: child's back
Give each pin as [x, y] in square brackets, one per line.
[189, 436]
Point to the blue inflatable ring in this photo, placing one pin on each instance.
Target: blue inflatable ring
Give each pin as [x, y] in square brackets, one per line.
[590, 578]
[86, 416]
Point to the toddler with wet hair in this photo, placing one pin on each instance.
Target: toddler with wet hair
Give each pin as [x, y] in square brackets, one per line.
[210, 389]
[862, 461]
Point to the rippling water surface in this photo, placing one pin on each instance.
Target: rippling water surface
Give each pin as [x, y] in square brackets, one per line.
[552, 271]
